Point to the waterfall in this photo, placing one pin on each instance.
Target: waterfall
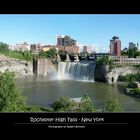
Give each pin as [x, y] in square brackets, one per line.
[76, 71]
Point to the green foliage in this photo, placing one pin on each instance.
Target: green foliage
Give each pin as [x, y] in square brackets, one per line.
[51, 53]
[102, 61]
[129, 77]
[111, 64]
[31, 108]
[86, 105]
[26, 55]
[15, 54]
[136, 66]
[105, 61]
[134, 92]
[112, 105]
[124, 53]
[61, 104]
[4, 47]
[48, 54]
[137, 91]
[64, 104]
[10, 97]
[131, 53]
[42, 54]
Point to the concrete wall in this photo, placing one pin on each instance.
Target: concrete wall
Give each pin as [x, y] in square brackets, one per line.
[42, 67]
[45, 67]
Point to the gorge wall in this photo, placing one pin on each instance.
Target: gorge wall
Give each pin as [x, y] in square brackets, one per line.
[102, 73]
[64, 70]
[20, 68]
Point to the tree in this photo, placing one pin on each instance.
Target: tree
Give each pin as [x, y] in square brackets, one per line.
[42, 54]
[4, 47]
[51, 53]
[27, 55]
[86, 105]
[11, 99]
[103, 61]
[133, 52]
[64, 104]
[61, 104]
[124, 52]
[111, 64]
[112, 105]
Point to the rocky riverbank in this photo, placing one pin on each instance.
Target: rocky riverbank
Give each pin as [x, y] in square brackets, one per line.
[131, 92]
[19, 67]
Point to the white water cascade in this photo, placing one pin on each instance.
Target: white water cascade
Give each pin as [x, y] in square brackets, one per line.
[76, 71]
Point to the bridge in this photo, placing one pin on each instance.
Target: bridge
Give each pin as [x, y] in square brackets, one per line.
[90, 57]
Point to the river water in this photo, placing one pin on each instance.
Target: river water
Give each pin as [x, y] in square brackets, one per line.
[42, 92]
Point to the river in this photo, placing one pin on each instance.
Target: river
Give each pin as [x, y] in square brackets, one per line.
[42, 92]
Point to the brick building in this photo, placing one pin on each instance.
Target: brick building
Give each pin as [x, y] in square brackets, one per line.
[66, 41]
[115, 46]
[69, 49]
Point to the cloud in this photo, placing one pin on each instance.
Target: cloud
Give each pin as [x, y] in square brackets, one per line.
[99, 48]
[80, 46]
[94, 47]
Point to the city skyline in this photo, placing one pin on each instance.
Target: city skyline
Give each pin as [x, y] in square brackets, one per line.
[88, 29]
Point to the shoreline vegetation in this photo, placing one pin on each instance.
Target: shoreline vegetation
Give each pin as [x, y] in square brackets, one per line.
[132, 82]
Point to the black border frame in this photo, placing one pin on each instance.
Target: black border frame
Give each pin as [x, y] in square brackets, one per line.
[70, 7]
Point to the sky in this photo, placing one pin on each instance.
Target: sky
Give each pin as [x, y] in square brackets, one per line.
[93, 30]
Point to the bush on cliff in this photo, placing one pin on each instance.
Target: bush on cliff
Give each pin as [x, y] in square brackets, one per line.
[105, 61]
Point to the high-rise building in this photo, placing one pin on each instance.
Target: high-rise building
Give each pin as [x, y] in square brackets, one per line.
[66, 41]
[115, 46]
[60, 41]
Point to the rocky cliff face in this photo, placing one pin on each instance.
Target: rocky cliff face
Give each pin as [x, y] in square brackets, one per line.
[102, 73]
[112, 76]
[20, 68]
